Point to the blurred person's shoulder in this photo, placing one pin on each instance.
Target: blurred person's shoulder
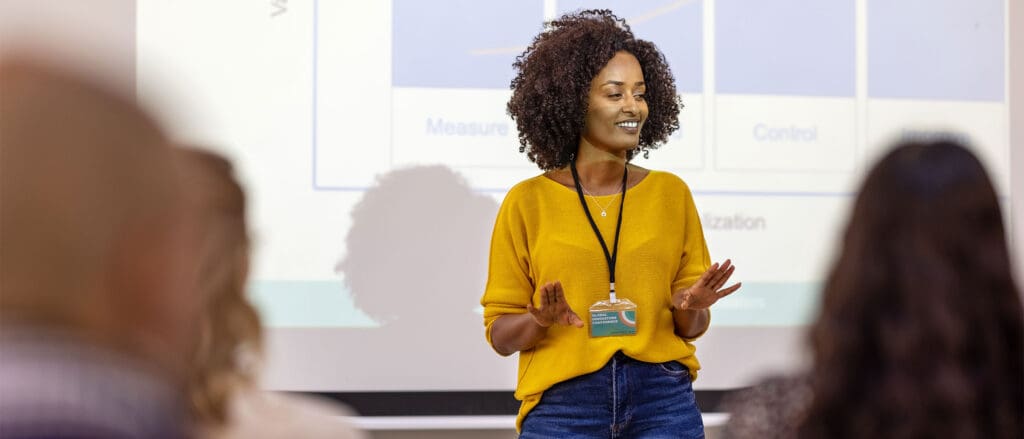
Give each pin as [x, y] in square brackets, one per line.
[54, 383]
[258, 414]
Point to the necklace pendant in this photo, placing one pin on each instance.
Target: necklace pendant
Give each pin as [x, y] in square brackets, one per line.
[604, 213]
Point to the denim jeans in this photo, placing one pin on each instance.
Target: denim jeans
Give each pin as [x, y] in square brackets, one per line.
[624, 399]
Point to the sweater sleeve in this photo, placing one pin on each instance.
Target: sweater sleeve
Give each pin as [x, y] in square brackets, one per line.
[509, 285]
[695, 258]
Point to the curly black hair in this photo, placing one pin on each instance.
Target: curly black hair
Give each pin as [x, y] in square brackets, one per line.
[552, 84]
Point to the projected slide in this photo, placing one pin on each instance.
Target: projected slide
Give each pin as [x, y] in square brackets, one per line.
[950, 72]
[955, 51]
[373, 140]
[785, 79]
[792, 121]
[434, 48]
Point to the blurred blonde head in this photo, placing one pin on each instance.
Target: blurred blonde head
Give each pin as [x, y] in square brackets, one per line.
[93, 237]
[230, 330]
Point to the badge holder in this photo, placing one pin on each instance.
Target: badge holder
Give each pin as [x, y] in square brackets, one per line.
[612, 317]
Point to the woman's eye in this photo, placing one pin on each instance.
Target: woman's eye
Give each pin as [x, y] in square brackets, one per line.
[615, 95]
[640, 96]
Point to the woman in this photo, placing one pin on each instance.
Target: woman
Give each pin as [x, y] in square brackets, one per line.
[225, 400]
[599, 274]
[921, 330]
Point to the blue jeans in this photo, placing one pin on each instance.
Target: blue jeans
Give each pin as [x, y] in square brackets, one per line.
[624, 399]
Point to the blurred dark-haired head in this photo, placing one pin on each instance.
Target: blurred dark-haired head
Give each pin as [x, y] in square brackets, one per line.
[920, 332]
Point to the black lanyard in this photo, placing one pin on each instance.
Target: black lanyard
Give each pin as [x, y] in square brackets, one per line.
[609, 256]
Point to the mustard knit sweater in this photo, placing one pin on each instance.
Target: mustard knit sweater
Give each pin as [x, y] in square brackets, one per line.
[542, 235]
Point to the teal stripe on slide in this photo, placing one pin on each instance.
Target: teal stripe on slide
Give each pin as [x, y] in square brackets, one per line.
[329, 304]
[307, 304]
[768, 304]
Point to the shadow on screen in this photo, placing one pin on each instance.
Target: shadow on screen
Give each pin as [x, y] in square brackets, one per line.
[416, 263]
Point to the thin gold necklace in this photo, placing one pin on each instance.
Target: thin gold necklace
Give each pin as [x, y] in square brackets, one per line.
[604, 209]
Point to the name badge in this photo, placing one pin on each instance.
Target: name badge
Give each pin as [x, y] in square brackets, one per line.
[613, 318]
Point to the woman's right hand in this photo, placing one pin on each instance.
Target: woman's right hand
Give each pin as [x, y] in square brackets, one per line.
[553, 307]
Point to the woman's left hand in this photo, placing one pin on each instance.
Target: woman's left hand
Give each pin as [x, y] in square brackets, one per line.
[708, 289]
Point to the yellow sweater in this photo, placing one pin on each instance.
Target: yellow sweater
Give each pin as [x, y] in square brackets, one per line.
[542, 235]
